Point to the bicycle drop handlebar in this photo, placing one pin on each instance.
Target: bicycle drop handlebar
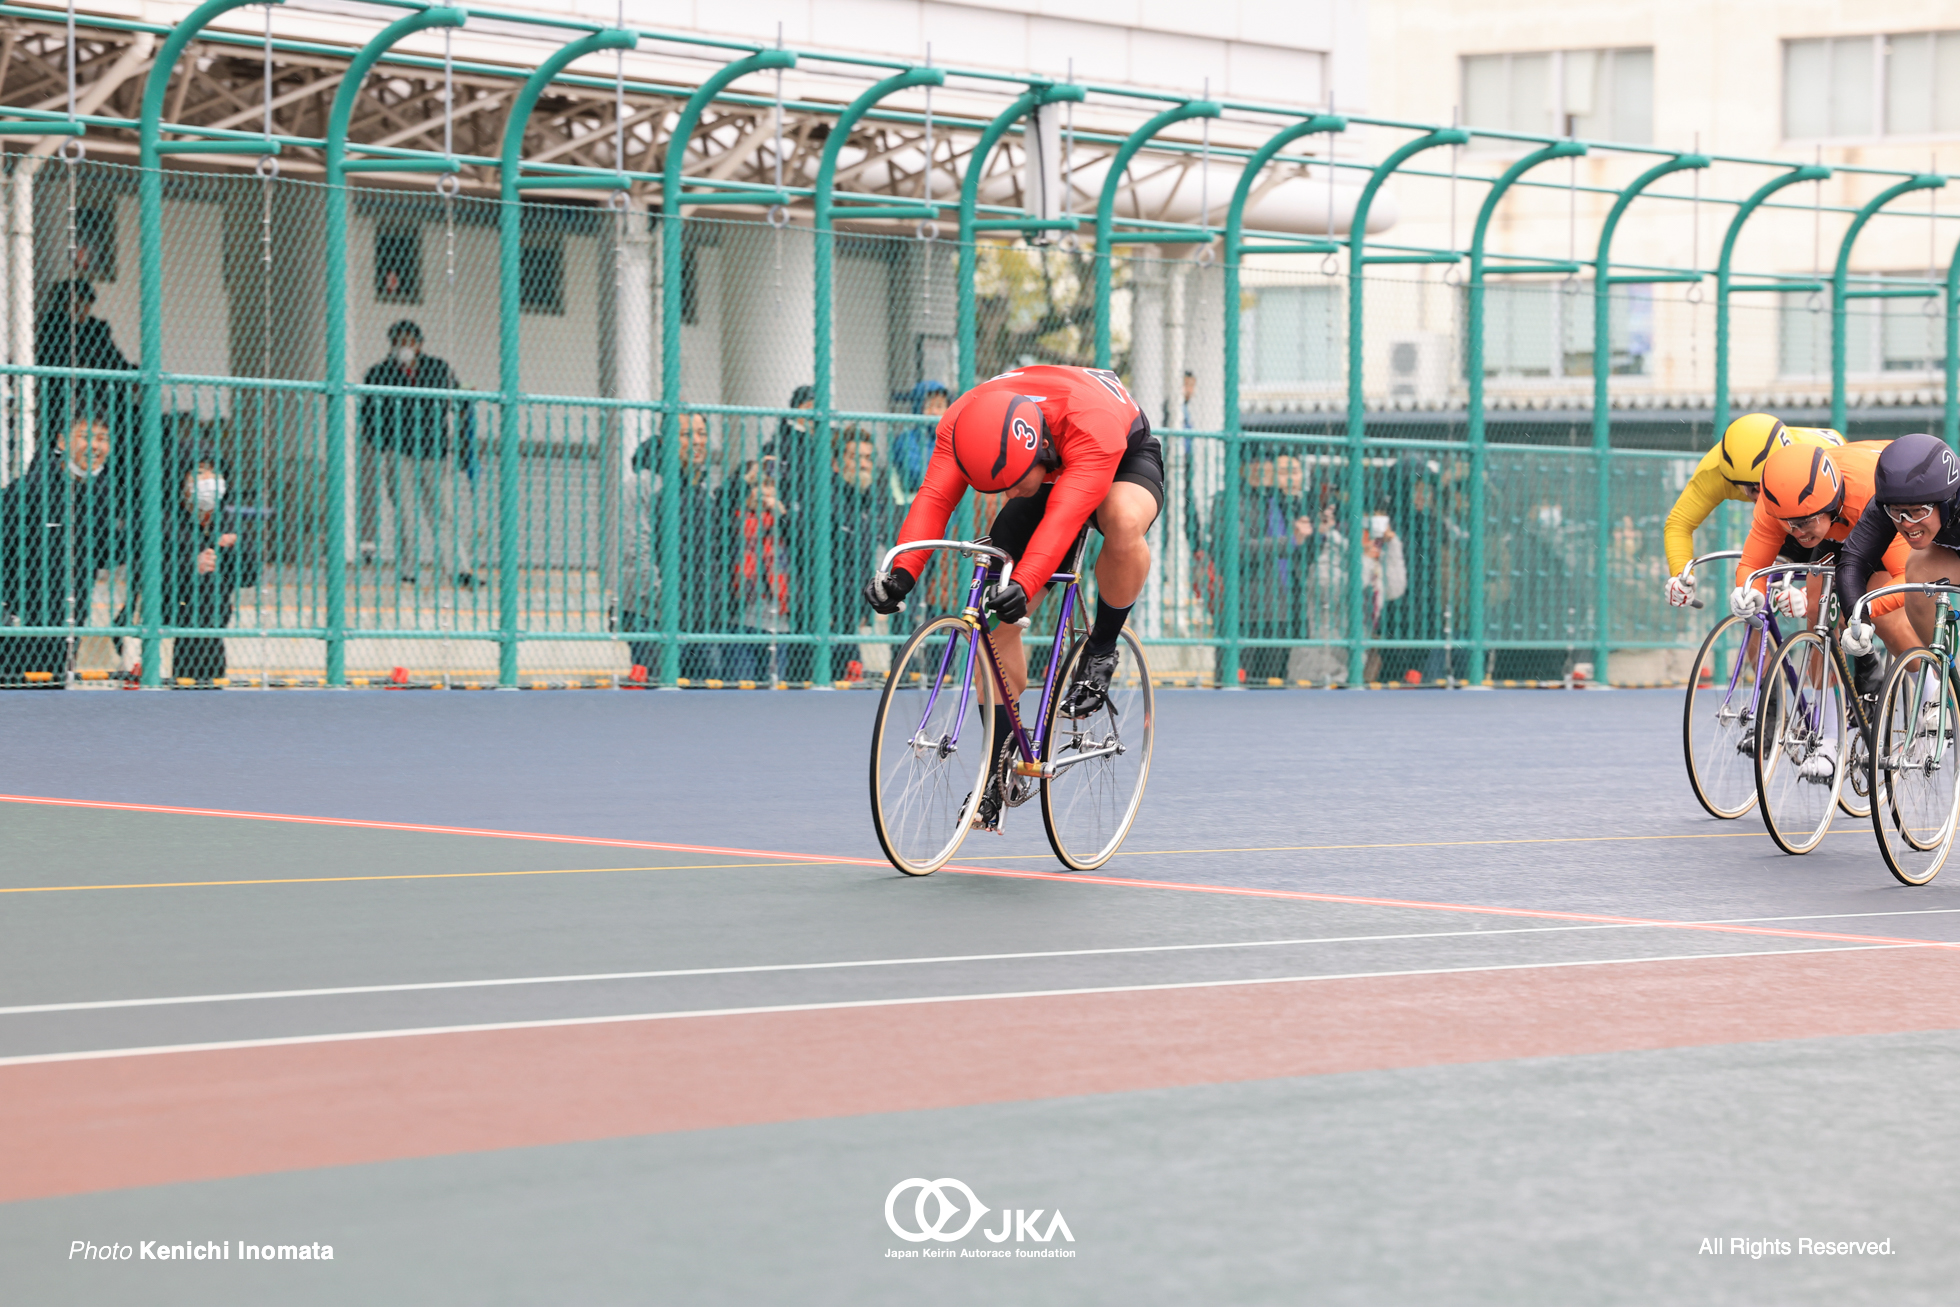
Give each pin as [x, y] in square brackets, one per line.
[972, 547]
[1860, 611]
[1687, 573]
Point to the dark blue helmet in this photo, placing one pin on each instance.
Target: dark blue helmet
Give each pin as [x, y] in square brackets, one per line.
[1916, 469]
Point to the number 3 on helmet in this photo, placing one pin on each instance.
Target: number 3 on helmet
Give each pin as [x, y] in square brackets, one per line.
[998, 437]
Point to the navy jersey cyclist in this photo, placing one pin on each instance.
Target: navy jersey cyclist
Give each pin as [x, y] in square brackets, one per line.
[1069, 447]
[1917, 484]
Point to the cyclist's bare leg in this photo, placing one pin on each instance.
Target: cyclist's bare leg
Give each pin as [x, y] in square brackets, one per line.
[1013, 658]
[1932, 564]
[1124, 564]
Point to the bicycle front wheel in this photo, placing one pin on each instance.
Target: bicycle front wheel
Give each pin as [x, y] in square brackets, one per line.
[1718, 729]
[1915, 773]
[1100, 761]
[1801, 762]
[929, 747]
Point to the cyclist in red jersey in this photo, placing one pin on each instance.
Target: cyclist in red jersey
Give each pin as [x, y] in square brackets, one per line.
[1068, 446]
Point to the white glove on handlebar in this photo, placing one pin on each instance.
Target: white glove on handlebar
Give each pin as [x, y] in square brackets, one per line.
[1790, 601]
[1680, 591]
[1857, 638]
[1745, 601]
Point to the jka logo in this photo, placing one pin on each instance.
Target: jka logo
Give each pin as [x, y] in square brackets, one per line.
[943, 1201]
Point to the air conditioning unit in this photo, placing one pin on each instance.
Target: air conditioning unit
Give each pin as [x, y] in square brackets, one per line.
[1419, 366]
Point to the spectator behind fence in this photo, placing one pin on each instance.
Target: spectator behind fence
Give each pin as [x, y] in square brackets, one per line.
[1275, 556]
[761, 577]
[698, 528]
[1384, 579]
[413, 439]
[865, 519]
[1415, 504]
[912, 448]
[57, 530]
[206, 560]
[68, 335]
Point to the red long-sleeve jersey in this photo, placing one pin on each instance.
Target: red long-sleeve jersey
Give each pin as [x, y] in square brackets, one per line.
[1090, 417]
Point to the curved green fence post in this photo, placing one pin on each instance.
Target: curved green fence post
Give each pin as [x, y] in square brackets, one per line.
[1106, 204]
[1923, 182]
[816, 460]
[1229, 561]
[149, 201]
[334, 425]
[672, 229]
[510, 233]
[1603, 283]
[965, 328]
[1357, 398]
[1478, 636]
[1810, 172]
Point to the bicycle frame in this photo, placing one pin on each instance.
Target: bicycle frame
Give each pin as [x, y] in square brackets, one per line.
[974, 615]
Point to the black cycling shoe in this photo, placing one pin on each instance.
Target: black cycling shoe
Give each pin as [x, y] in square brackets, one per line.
[1089, 690]
[987, 816]
[999, 793]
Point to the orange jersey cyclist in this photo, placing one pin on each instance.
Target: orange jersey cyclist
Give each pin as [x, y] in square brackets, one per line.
[1068, 446]
[1812, 499]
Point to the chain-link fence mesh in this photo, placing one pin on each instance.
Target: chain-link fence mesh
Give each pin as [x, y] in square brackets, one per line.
[518, 503]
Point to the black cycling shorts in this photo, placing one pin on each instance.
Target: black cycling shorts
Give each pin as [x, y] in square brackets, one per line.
[1142, 464]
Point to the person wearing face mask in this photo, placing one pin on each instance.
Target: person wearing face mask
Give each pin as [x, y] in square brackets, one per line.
[205, 561]
[412, 439]
[57, 530]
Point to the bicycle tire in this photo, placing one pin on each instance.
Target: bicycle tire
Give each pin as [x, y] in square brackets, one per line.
[935, 678]
[1723, 777]
[1915, 771]
[1801, 724]
[1088, 807]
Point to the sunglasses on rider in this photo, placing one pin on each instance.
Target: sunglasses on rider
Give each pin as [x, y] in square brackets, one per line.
[1907, 514]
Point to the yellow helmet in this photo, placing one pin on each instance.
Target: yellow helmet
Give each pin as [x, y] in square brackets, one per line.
[1746, 444]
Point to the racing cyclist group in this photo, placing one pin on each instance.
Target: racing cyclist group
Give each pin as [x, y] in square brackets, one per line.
[1069, 448]
[1811, 491]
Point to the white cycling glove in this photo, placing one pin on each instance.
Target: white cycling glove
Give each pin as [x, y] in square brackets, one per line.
[1790, 601]
[1745, 601]
[1680, 591]
[1857, 638]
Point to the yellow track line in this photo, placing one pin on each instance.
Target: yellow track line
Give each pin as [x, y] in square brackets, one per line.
[420, 875]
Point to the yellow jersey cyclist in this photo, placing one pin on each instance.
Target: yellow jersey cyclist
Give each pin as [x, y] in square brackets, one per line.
[1732, 470]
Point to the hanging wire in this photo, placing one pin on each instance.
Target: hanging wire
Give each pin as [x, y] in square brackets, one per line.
[448, 97]
[1450, 274]
[619, 97]
[1068, 149]
[1204, 169]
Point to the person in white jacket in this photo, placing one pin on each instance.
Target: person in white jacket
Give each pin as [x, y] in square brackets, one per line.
[1384, 578]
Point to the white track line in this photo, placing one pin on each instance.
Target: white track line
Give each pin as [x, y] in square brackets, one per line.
[603, 976]
[31, 1059]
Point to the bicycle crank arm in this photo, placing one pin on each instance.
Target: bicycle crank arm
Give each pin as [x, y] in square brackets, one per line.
[1057, 768]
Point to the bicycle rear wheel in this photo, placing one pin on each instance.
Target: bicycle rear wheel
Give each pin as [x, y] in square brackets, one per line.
[1916, 775]
[1801, 762]
[1718, 725]
[1104, 759]
[929, 747]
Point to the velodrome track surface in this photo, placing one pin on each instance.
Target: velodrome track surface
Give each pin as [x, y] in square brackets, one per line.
[1393, 997]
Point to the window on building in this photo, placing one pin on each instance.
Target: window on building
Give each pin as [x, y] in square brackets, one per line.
[398, 263]
[541, 277]
[1293, 335]
[1545, 329]
[1880, 335]
[1905, 84]
[1604, 95]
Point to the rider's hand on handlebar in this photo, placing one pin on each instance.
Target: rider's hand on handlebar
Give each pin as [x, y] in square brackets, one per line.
[1745, 601]
[886, 591]
[1857, 638]
[1680, 590]
[1009, 602]
[1790, 601]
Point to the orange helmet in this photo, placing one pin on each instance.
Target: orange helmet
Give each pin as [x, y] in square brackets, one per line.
[997, 437]
[1802, 481]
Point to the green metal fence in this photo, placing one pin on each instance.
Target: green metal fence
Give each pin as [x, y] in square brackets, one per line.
[481, 439]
